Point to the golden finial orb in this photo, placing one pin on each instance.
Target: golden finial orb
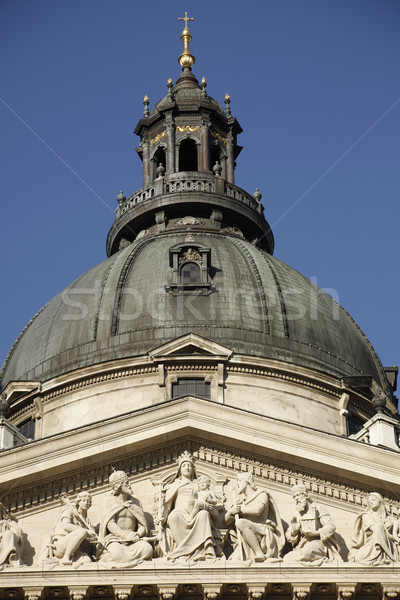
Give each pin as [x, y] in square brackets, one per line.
[186, 59]
[146, 103]
[227, 103]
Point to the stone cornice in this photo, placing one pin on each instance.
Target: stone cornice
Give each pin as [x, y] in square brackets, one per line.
[367, 580]
[149, 439]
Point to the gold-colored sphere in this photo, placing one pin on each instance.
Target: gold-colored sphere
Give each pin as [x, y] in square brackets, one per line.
[186, 34]
[186, 60]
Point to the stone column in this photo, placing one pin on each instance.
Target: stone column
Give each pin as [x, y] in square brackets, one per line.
[176, 150]
[205, 157]
[146, 162]
[230, 163]
[170, 158]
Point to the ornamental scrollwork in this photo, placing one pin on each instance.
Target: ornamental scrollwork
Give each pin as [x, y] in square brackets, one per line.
[187, 128]
[158, 137]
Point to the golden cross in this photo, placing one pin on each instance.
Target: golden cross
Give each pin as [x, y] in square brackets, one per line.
[186, 19]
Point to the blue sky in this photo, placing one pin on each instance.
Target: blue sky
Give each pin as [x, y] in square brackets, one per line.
[315, 85]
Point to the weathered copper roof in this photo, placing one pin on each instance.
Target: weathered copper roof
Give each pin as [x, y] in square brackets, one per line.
[259, 306]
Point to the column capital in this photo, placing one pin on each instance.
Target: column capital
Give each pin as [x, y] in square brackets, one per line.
[167, 592]
[122, 592]
[33, 593]
[77, 592]
[301, 591]
[255, 592]
[390, 592]
[211, 592]
[346, 592]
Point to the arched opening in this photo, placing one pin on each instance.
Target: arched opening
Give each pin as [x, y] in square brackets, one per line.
[215, 155]
[188, 156]
[190, 273]
[159, 157]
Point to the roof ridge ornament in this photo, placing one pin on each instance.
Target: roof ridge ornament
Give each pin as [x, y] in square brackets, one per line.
[186, 59]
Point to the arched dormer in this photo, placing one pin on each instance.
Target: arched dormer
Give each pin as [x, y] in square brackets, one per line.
[190, 269]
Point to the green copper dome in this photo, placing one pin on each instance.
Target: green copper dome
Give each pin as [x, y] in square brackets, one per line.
[254, 304]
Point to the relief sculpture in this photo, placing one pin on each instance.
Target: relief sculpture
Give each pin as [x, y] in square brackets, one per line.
[11, 540]
[373, 541]
[124, 529]
[258, 527]
[188, 516]
[311, 531]
[237, 521]
[72, 535]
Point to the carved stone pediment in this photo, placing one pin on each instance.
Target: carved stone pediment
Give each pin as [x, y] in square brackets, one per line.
[191, 344]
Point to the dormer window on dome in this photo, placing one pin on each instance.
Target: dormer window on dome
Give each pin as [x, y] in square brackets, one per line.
[190, 269]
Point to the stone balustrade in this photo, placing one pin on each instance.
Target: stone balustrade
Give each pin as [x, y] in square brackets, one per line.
[180, 183]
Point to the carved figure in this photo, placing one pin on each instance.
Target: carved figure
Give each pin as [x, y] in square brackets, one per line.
[373, 537]
[11, 542]
[396, 536]
[72, 534]
[124, 528]
[204, 495]
[258, 525]
[191, 534]
[311, 531]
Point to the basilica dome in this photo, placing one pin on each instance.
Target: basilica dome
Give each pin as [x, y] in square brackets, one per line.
[191, 253]
[254, 304]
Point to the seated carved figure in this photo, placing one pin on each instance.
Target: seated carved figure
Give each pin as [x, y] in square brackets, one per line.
[189, 519]
[311, 531]
[11, 543]
[259, 530]
[124, 528]
[71, 537]
[373, 537]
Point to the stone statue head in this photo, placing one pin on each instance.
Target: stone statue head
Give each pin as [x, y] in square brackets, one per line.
[186, 465]
[300, 496]
[245, 479]
[117, 480]
[375, 502]
[83, 498]
[203, 482]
